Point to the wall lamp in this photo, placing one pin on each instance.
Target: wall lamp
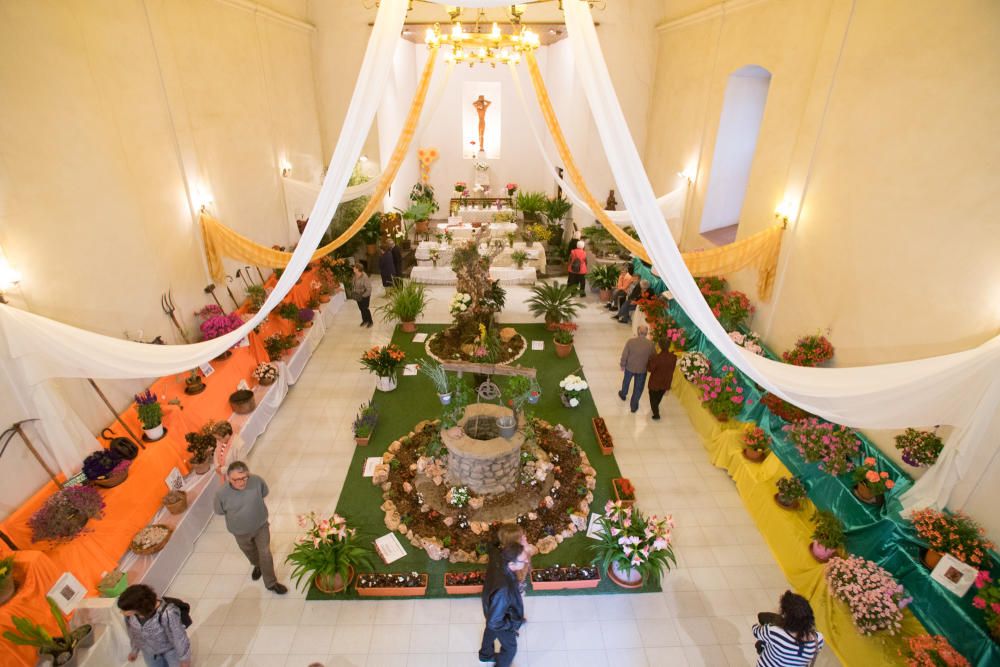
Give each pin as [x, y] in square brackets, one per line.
[286, 168]
[784, 211]
[9, 277]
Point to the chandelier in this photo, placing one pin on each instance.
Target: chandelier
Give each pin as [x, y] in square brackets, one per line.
[482, 47]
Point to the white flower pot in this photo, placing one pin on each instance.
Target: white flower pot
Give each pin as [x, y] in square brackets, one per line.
[445, 398]
[383, 383]
[629, 578]
[153, 433]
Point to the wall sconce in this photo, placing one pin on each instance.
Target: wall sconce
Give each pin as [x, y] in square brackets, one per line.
[9, 276]
[204, 199]
[784, 211]
[688, 174]
[286, 168]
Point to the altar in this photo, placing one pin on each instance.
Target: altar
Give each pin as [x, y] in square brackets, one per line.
[536, 255]
[471, 214]
[463, 229]
[443, 275]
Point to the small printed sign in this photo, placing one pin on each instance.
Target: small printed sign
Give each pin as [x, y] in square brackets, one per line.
[595, 530]
[370, 464]
[67, 592]
[419, 338]
[76, 480]
[389, 548]
[174, 480]
[207, 369]
[243, 385]
[410, 369]
[538, 345]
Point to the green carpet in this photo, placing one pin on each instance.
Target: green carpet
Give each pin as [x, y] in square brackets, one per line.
[415, 399]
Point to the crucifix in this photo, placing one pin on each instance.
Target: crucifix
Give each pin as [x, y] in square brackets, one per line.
[481, 105]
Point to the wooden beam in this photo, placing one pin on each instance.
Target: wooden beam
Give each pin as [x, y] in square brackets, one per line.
[487, 369]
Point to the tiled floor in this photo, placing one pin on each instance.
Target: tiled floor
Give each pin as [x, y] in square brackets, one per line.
[726, 573]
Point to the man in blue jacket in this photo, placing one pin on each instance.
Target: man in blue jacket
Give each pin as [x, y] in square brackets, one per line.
[502, 606]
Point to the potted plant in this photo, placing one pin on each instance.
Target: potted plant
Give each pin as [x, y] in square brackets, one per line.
[328, 554]
[364, 424]
[371, 231]
[305, 318]
[604, 277]
[871, 485]
[694, 365]
[150, 415]
[277, 344]
[439, 376]
[219, 325]
[723, 396]
[555, 302]
[783, 409]
[988, 599]
[519, 257]
[200, 446]
[604, 440]
[809, 351]
[555, 210]
[756, 443]
[828, 536]
[112, 584]
[536, 232]
[60, 649]
[288, 311]
[571, 577]
[423, 192]
[105, 468]
[464, 583]
[932, 651]
[256, 295]
[832, 446]
[920, 448]
[384, 361]
[194, 384]
[391, 584]
[265, 374]
[65, 513]
[405, 302]
[7, 584]
[573, 387]
[875, 598]
[749, 341]
[643, 554]
[624, 491]
[242, 401]
[733, 310]
[956, 534]
[530, 204]
[562, 339]
[418, 214]
[790, 491]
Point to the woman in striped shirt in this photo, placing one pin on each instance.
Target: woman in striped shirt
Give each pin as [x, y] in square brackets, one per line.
[788, 639]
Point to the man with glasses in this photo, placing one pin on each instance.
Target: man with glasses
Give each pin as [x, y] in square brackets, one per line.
[241, 501]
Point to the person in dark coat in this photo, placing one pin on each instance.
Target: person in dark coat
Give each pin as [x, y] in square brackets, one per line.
[502, 605]
[397, 259]
[640, 291]
[386, 265]
[661, 373]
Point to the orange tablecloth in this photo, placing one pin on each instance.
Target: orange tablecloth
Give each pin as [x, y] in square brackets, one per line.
[35, 574]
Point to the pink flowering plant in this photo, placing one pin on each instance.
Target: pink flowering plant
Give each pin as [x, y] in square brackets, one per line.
[694, 365]
[219, 325]
[875, 599]
[732, 310]
[749, 341]
[328, 548]
[723, 396]
[831, 445]
[987, 598]
[65, 513]
[757, 439]
[919, 448]
[809, 351]
[632, 541]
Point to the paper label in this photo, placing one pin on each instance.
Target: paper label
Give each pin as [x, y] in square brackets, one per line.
[370, 463]
[174, 480]
[207, 369]
[538, 345]
[243, 385]
[389, 548]
[419, 338]
[410, 369]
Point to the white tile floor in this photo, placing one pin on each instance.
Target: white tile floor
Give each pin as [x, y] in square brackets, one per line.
[726, 573]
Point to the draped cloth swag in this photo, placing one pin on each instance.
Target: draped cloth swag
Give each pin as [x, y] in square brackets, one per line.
[961, 389]
[221, 241]
[760, 250]
[37, 348]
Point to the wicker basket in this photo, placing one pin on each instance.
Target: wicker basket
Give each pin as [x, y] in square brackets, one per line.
[111, 480]
[156, 548]
[242, 402]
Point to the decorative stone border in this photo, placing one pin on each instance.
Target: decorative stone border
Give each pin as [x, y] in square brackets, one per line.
[427, 348]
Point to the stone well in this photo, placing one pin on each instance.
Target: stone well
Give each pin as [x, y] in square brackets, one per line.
[486, 466]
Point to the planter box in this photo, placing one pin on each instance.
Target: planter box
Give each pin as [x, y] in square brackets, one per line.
[464, 589]
[563, 585]
[607, 446]
[614, 487]
[395, 591]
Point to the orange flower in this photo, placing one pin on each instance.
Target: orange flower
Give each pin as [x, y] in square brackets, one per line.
[883, 474]
[889, 484]
[869, 461]
[872, 476]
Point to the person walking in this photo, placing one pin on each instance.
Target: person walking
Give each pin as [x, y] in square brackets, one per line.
[661, 374]
[503, 606]
[790, 638]
[386, 265]
[578, 268]
[635, 358]
[397, 259]
[155, 628]
[361, 291]
[241, 501]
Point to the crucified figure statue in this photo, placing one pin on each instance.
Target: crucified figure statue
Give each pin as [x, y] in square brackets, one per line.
[481, 105]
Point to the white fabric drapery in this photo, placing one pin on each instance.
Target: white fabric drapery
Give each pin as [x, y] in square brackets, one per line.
[961, 389]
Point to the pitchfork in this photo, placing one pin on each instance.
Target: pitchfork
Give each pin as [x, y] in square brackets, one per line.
[167, 303]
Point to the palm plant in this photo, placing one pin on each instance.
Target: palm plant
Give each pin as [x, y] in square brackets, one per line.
[555, 301]
[531, 204]
[406, 301]
[604, 276]
[556, 209]
[417, 211]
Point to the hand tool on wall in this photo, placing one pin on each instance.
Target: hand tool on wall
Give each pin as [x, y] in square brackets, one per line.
[236, 303]
[210, 289]
[167, 303]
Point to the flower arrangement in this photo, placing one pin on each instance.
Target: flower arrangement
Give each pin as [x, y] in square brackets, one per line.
[867, 473]
[537, 232]
[988, 599]
[829, 530]
[631, 541]
[875, 599]
[435, 256]
[256, 295]
[265, 373]
[366, 420]
[277, 344]
[931, 651]
[519, 257]
[723, 396]
[732, 310]
[65, 513]
[200, 446]
[710, 284]
[383, 361]
[210, 310]
[103, 463]
[573, 387]
[219, 325]
[756, 439]
[511, 188]
[461, 186]
[790, 490]
[830, 445]
[306, 315]
[457, 496]
[956, 534]
[694, 365]
[920, 448]
[459, 303]
[809, 351]
[149, 410]
[749, 341]
[328, 548]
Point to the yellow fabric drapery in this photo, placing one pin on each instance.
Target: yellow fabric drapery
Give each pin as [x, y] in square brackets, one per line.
[760, 250]
[221, 241]
[788, 534]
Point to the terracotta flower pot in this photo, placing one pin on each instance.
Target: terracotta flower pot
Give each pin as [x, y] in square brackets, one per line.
[754, 455]
[394, 591]
[866, 495]
[626, 502]
[331, 584]
[324, 298]
[821, 553]
[408, 327]
[931, 558]
[361, 442]
[605, 295]
[7, 589]
[563, 585]
[562, 350]
[630, 578]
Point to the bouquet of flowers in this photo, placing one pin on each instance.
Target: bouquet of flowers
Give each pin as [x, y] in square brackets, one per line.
[809, 351]
[459, 303]
[219, 325]
[694, 365]
[757, 439]
[749, 342]
[723, 396]
[830, 445]
[265, 373]
[511, 189]
[932, 651]
[573, 387]
[677, 337]
[327, 548]
[988, 599]
[920, 448]
[732, 310]
[869, 475]
[630, 540]
[65, 513]
[461, 187]
[383, 361]
[876, 599]
[956, 534]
